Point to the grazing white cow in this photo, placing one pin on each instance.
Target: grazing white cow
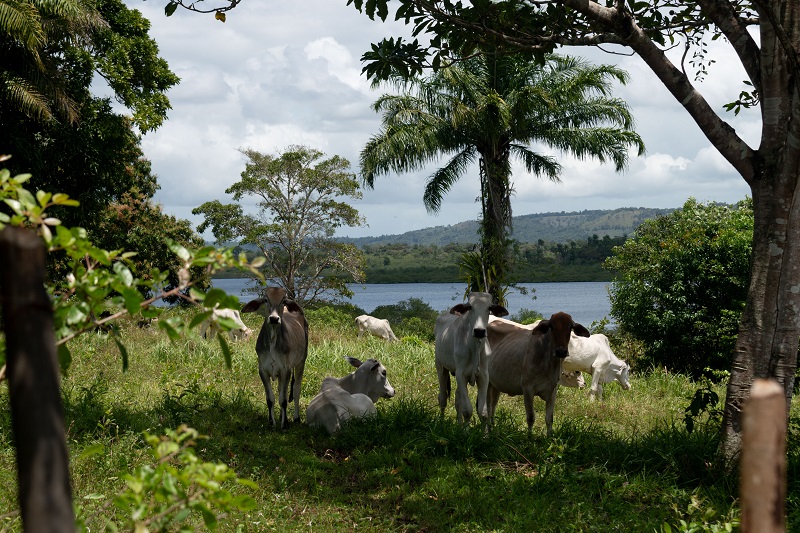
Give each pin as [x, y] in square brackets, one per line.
[594, 355]
[352, 396]
[572, 378]
[282, 348]
[462, 350]
[528, 362]
[211, 326]
[376, 326]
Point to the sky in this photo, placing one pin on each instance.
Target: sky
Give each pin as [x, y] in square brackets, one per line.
[287, 72]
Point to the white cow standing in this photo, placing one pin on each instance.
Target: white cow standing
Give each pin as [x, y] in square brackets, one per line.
[594, 355]
[352, 396]
[376, 326]
[211, 326]
[462, 350]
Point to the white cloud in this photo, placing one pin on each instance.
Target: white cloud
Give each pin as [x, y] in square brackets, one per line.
[286, 72]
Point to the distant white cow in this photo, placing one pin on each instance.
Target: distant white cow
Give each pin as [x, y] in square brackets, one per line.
[594, 355]
[211, 326]
[352, 396]
[462, 349]
[376, 326]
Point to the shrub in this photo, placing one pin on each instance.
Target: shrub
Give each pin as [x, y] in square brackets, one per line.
[682, 284]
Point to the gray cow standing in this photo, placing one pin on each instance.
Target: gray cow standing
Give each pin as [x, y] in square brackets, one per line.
[282, 348]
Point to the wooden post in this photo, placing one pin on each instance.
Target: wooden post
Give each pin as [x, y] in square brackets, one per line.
[763, 467]
[45, 496]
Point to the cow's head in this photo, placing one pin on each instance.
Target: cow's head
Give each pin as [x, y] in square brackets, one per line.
[559, 327]
[619, 370]
[370, 379]
[273, 305]
[478, 307]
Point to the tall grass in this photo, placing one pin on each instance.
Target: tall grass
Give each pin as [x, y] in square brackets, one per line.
[624, 464]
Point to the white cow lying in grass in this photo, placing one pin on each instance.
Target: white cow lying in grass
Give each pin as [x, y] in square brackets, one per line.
[594, 355]
[211, 326]
[376, 326]
[352, 396]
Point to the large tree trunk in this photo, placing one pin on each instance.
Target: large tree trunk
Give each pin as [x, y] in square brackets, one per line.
[770, 326]
[45, 496]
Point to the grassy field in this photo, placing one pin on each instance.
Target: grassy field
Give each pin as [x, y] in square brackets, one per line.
[624, 464]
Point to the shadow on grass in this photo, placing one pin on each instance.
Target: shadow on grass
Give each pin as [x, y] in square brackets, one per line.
[409, 469]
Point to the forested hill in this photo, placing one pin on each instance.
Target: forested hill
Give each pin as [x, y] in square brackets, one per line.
[550, 227]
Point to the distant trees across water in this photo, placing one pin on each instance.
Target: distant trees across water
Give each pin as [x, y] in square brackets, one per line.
[535, 262]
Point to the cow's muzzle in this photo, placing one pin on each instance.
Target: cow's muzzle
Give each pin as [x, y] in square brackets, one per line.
[274, 320]
[479, 333]
[562, 352]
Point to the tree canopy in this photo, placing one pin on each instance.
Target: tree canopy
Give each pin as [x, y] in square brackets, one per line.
[491, 109]
[681, 285]
[299, 198]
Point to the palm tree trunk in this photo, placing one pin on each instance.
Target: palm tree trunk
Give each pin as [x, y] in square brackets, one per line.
[495, 228]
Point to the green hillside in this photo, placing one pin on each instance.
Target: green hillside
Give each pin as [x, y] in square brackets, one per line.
[549, 227]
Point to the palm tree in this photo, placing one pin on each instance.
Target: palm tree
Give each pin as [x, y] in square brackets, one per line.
[30, 77]
[489, 108]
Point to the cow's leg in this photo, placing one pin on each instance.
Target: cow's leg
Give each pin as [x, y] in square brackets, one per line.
[267, 381]
[596, 388]
[482, 381]
[444, 387]
[492, 397]
[297, 383]
[283, 396]
[550, 408]
[463, 405]
[530, 415]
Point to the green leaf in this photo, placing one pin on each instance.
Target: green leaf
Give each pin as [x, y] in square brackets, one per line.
[124, 273]
[244, 502]
[64, 358]
[124, 352]
[179, 250]
[133, 300]
[95, 449]
[226, 350]
[170, 8]
[214, 297]
[199, 318]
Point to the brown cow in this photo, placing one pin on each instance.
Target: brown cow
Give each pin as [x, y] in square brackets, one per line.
[528, 362]
[282, 348]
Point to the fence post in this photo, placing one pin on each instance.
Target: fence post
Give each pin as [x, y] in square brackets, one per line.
[763, 461]
[45, 496]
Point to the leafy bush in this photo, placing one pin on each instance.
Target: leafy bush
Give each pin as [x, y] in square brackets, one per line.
[682, 284]
[179, 485]
[409, 317]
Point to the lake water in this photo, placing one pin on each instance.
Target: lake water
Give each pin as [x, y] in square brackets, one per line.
[587, 302]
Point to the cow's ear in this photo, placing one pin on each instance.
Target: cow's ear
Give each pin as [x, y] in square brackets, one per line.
[498, 310]
[293, 306]
[253, 305]
[580, 330]
[353, 361]
[542, 327]
[460, 309]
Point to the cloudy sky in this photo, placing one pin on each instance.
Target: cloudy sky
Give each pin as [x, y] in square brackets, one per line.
[283, 72]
